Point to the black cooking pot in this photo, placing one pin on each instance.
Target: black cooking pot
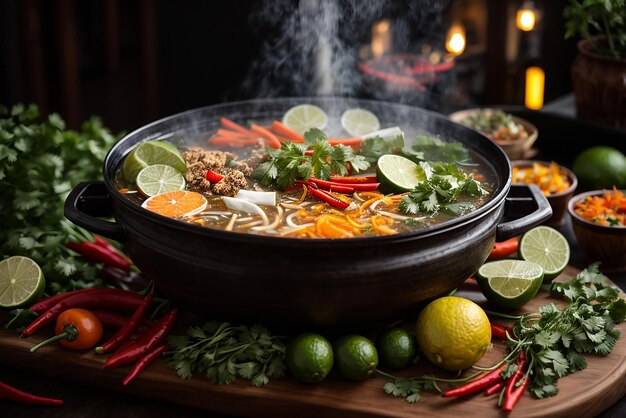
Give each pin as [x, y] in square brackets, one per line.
[323, 283]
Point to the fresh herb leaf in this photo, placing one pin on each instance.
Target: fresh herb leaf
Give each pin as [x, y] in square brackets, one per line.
[427, 148]
[373, 148]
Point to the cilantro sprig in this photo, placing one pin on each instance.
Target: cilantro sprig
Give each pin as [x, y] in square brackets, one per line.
[223, 352]
[292, 161]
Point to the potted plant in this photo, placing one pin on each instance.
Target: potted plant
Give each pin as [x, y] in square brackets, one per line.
[599, 72]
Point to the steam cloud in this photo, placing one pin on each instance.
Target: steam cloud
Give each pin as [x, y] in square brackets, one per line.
[312, 46]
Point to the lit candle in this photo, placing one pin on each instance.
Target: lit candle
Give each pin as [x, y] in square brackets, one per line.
[455, 43]
[381, 38]
[535, 83]
[526, 19]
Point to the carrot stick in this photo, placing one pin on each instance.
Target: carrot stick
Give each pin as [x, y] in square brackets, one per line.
[227, 123]
[272, 141]
[231, 134]
[281, 129]
[351, 142]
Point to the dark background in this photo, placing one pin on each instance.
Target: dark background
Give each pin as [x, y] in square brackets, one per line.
[134, 61]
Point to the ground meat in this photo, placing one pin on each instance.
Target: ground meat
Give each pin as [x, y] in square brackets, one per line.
[196, 178]
[210, 160]
[247, 166]
[230, 185]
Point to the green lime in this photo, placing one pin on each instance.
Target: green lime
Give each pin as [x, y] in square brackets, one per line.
[547, 247]
[508, 283]
[309, 357]
[358, 122]
[398, 174]
[600, 167]
[397, 348]
[21, 282]
[303, 117]
[159, 178]
[356, 357]
[150, 153]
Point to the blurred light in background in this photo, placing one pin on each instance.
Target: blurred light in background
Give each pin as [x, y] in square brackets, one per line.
[455, 41]
[526, 17]
[535, 83]
[381, 38]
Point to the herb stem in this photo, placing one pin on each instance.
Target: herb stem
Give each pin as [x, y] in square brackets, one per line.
[501, 315]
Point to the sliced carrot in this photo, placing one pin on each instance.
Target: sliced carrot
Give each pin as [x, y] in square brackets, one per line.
[281, 129]
[272, 141]
[355, 143]
[231, 134]
[227, 123]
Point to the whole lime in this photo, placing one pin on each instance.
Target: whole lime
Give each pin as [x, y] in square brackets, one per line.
[397, 348]
[600, 167]
[309, 357]
[453, 332]
[356, 357]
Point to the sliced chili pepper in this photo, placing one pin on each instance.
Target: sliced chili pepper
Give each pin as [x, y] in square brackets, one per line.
[12, 394]
[95, 253]
[495, 388]
[504, 249]
[114, 320]
[476, 385]
[365, 179]
[510, 384]
[47, 303]
[76, 329]
[365, 187]
[98, 299]
[127, 330]
[213, 177]
[339, 188]
[499, 331]
[308, 152]
[144, 362]
[148, 342]
[512, 398]
[328, 198]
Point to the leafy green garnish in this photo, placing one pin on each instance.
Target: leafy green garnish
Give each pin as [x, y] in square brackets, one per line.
[427, 148]
[445, 182]
[373, 148]
[291, 162]
[39, 164]
[223, 352]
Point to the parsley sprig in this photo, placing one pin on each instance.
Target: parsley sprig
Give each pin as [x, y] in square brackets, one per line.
[291, 162]
[223, 352]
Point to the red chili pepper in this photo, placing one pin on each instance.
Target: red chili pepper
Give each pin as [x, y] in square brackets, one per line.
[47, 303]
[504, 249]
[499, 331]
[512, 398]
[127, 330]
[95, 253]
[213, 177]
[365, 179]
[355, 186]
[76, 329]
[114, 320]
[510, 384]
[97, 299]
[144, 344]
[106, 244]
[308, 152]
[144, 362]
[495, 388]
[339, 188]
[328, 198]
[12, 394]
[476, 385]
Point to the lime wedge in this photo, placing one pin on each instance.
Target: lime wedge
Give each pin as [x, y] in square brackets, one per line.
[159, 178]
[150, 153]
[358, 122]
[509, 284]
[398, 174]
[303, 117]
[21, 282]
[547, 247]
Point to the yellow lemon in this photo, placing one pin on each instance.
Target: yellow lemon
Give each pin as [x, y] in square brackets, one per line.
[453, 332]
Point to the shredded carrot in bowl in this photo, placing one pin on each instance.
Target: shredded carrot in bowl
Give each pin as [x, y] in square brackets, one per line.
[608, 209]
[551, 179]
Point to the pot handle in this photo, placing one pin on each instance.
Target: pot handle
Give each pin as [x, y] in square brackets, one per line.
[525, 207]
[88, 201]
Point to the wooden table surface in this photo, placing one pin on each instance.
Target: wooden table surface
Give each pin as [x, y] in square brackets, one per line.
[85, 400]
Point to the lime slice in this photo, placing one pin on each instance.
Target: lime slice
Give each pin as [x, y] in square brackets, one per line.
[509, 284]
[398, 174]
[547, 247]
[303, 117]
[358, 122]
[159, 178]
[150, 153]
[21, 282]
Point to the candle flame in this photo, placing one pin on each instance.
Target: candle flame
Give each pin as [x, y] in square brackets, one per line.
[526, 19]
[456, 40]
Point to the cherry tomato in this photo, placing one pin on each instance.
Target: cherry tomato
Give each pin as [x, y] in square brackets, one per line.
[83, 329]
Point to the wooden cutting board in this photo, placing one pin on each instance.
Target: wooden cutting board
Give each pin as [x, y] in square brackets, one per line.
[584, 394]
